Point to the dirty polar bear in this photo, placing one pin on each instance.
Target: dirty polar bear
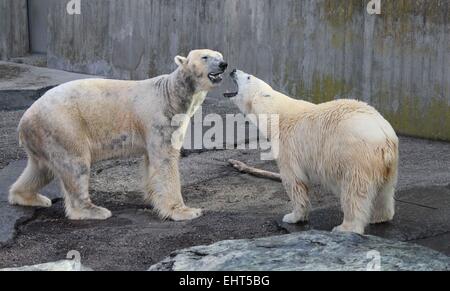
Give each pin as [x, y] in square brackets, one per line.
[80, 122]
[345, 145]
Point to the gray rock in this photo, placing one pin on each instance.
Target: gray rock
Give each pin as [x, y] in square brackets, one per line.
[305, 251]
[64, 265]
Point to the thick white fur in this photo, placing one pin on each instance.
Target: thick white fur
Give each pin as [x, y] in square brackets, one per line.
[345, 145]
[84, 121]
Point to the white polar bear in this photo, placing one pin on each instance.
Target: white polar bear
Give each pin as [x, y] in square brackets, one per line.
[345, 145]
[80, 122]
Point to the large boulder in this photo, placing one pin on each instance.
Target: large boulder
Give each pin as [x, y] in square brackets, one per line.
[310, 250]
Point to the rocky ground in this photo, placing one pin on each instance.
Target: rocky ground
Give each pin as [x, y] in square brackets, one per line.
[235, 206]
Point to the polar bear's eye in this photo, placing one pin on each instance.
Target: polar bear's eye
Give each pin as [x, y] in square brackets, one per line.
[205, 58]
[248, 78]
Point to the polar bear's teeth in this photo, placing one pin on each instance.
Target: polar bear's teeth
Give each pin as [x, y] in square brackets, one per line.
[215, 77]
[230, 94]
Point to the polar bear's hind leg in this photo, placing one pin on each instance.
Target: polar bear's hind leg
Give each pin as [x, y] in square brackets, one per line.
[24, 191]
[76, 196]
[384, 204]
[298, 193]
[356, 200]
[72, 167]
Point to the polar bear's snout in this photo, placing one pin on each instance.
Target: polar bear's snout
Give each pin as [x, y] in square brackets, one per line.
[235, 75]
[217, 68]
[223, 66]
[248, 89]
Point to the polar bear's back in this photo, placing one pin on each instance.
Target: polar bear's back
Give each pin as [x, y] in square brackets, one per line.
[352, 119]
[98, 114]
[341, 136]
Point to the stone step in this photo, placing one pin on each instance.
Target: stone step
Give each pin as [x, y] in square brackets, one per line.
[21, 85]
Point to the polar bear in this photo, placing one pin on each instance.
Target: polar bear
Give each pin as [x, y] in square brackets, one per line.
[345, 145]
[84, 121]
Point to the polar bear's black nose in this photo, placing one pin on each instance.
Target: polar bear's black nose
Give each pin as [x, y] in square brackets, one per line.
[233, 73]
[223, 66]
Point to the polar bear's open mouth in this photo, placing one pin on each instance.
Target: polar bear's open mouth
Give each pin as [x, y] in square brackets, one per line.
[215, 77]
[232, 94]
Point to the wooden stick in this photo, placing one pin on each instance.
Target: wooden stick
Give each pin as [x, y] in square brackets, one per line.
[243, 168]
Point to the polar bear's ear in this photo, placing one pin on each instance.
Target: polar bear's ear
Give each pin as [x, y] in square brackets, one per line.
[180, 61]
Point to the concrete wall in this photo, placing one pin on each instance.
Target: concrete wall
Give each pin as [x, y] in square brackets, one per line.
[38, 20]
[313, 49]
[13, 28]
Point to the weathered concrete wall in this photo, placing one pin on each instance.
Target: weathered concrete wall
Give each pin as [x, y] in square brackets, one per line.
[13, 28]
[313, 49]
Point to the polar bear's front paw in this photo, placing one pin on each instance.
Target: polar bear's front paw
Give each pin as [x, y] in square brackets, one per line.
[294, 218]
[36, 200]
[185, 213]
[90, 212]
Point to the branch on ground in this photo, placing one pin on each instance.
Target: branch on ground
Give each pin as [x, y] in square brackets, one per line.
[244, 168]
